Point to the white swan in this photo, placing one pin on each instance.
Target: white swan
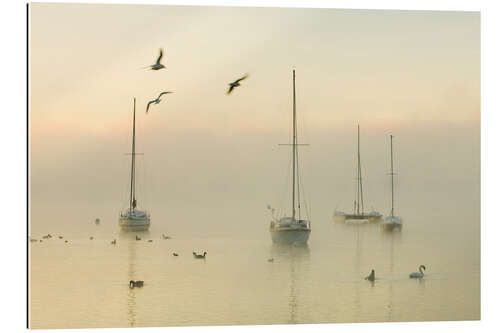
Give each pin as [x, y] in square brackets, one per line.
[419, 274]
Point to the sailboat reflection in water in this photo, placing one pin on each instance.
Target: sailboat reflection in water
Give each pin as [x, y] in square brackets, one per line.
[134, 219]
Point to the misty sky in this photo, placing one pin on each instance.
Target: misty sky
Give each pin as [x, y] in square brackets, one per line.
[414, 74]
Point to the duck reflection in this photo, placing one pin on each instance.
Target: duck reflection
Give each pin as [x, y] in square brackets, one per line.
[296, 256]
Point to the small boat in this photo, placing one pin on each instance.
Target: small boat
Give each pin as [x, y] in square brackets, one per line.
[292, 229]
[134, 219]
[392, 222]
[358, 216]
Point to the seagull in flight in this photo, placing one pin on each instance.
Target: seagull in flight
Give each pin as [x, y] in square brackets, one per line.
[236, 83]
[158, 65]
[158, 100]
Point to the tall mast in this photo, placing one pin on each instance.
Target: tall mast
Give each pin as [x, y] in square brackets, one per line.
[297, 158]
[132, 172]
[360, 181]
[294, 148]
[392, 183]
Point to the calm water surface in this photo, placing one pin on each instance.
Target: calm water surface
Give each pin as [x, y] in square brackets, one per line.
[84, 283]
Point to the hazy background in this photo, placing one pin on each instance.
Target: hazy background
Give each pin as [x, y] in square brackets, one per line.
[211, 162]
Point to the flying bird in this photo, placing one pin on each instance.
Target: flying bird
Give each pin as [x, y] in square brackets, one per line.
[158, 100]
[158, 65]
[236, 83]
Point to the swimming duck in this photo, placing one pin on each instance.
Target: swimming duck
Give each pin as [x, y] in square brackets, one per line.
[199, 256]
[133, 284]
[371, 277]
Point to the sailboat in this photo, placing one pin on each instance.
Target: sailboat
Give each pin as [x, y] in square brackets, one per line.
[292, 229]
[132, 218]
[392, 222]
[359, 215]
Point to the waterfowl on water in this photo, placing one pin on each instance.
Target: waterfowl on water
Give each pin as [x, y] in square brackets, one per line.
[199, 256]
[133, 284]
[371, 277]
[419, 274]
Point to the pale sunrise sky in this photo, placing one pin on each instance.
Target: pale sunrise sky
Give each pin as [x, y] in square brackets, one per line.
[415, 74]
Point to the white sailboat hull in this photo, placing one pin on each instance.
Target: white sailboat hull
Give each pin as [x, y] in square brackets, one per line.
[290, 236]
[290, 231]
[391, 223]
[136, 221]
[359, 218]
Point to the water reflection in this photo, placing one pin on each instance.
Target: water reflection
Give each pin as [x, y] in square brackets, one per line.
[131, 235]
[391, 270]
[131, 301]
[296, 256]
[393, 238]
